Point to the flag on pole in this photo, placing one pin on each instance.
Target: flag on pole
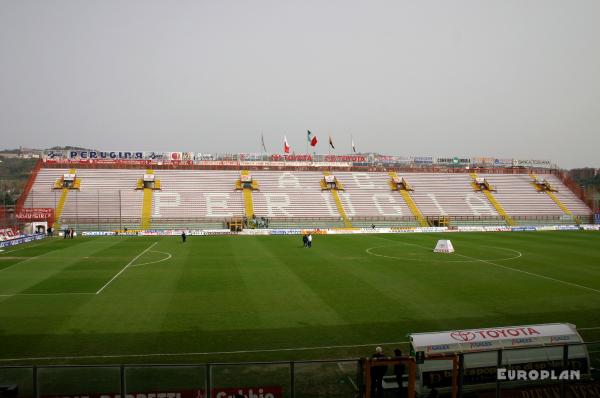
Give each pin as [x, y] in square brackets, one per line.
[286, 146]
[312, 139]
[353, 146]
[331, 143]
[262, 141]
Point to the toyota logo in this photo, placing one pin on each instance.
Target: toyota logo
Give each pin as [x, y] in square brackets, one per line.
[463, 336]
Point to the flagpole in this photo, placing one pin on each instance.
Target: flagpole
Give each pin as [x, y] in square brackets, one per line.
[307, 142]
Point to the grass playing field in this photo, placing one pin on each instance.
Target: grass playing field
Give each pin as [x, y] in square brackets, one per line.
[127, 299]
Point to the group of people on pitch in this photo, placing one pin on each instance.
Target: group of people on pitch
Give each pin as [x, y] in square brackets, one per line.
[307, 240]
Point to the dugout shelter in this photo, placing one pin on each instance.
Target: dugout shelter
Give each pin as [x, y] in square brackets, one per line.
[467, 360]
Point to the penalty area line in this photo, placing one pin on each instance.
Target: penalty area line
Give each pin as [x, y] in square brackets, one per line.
[125, 267]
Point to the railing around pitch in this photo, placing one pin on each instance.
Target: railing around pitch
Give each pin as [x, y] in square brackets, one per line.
[484, 373]
[120, 223]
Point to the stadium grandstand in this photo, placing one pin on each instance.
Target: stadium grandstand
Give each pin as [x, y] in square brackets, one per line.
[99, 191]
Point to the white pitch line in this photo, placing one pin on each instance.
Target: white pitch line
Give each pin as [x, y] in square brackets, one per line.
[169, 255]
[509, 268]
[125, 267]
[532, 273]
[42, 294]
[201, 353]
[179, 354]
[21, 262]
[369, 251]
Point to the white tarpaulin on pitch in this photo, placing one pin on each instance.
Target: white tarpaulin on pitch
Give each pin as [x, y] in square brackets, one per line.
[444, 246]
[457, 341]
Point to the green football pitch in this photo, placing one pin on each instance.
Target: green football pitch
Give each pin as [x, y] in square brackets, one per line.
[251, 298]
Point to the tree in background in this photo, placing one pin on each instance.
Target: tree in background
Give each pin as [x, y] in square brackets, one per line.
[14, 173]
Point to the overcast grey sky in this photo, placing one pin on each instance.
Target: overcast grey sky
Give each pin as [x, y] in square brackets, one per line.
[506, 78]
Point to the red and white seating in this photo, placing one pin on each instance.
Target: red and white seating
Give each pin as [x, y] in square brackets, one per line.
[207, 198]
[448, 194]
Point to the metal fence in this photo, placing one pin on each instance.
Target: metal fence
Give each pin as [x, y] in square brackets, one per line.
[477, 377]
[335, 378]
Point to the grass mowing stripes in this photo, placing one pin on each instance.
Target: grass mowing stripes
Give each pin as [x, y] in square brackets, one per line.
[250, 295]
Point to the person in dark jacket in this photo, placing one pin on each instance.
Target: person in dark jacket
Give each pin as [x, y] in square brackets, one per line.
[399, 372]
[183, 236]
[305, 240]
[377, 373]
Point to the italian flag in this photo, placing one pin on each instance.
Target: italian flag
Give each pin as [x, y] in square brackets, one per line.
[312, 139]
[286, 146]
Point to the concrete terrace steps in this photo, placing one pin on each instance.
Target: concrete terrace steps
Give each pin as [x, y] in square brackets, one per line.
[211, 195]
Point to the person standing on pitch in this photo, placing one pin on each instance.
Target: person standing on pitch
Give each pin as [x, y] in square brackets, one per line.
[304, 240]
[309, 240]
[183, 236]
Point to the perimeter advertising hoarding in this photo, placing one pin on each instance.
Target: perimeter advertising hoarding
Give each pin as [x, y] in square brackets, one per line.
[105, 155]
[35, 214]
[229, 392]
[94, 156]
[581, 390]
[453, 160]
[423, 160]
[122, 162]
[24, 239]
[494, 162]
[532, 163]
